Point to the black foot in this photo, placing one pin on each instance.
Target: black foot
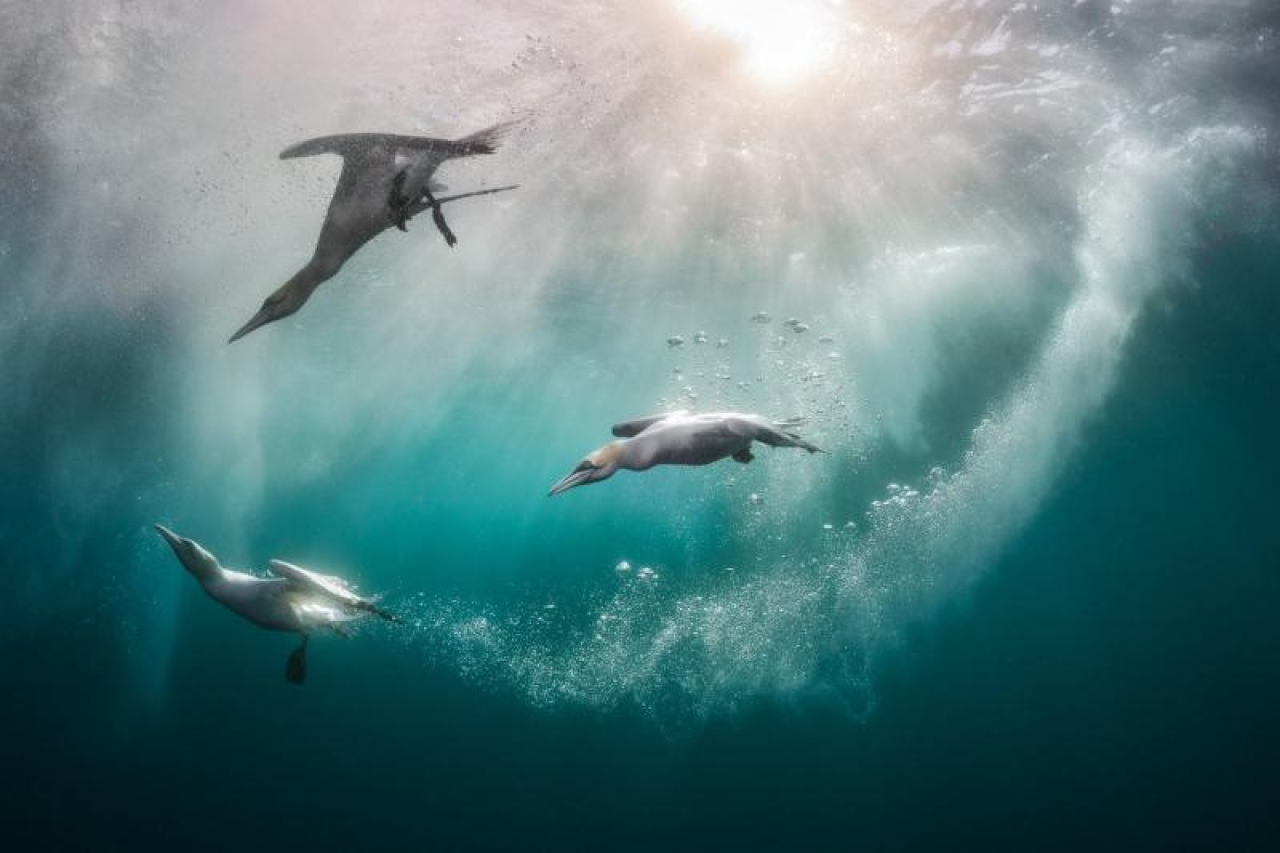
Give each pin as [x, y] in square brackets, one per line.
[437, 216]
[295, 671]
[744, 456]
[397, 202]
[443, 227]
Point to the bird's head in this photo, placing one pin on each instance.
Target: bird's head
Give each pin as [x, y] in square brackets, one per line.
[194, 558]
[598, 465]
[285, 301]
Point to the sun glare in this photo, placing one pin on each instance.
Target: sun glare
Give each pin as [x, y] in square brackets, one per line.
[780, 41]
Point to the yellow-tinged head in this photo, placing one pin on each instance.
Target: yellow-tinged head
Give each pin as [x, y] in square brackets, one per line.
[599, 464]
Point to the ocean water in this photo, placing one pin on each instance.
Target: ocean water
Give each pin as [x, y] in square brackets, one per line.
[1025, 601]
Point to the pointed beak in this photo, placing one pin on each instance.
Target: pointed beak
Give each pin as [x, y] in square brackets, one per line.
[576, 478]
[262, 318]
[169, 536]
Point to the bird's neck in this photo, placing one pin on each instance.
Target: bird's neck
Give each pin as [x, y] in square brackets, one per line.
[615, 453]
[631, 455]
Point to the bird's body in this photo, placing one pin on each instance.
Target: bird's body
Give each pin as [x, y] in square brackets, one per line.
[685, 439]
[278, 603]
[681, 438]
[386, 179]
[266, 602]
[294, 600]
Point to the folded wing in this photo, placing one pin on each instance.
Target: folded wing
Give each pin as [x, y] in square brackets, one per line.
[767, 432]
[327, 589]
[630, 429]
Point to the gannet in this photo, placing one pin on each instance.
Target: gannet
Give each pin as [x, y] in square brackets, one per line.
[386, 179]
[681, 438]
[295, 600]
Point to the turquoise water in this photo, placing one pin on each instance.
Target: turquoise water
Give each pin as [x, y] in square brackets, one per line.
[1025, 601]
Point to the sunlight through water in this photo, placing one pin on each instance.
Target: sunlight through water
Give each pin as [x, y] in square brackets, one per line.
[934, 246]
[779, 43]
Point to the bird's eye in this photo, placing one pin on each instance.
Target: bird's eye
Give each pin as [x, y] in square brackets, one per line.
[584, 465]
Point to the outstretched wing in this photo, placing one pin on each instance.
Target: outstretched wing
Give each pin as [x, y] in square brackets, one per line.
[421, 162]
[370, 160]
[379, 156]
[422, 154]
[364, 146]
[630, 429]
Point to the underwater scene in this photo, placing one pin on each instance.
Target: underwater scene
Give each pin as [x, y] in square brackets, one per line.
[656, 425]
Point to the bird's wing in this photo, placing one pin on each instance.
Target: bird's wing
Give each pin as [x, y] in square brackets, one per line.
[763, 430]
[421, 160]
[747, 426]
[630, 429]
[326, 586]
[315, 611]
[363, 146]
[325, 591]
[711, 432]
[384, 148]
[688, 441]
[484, 141]
[381, 155]
[371, 158]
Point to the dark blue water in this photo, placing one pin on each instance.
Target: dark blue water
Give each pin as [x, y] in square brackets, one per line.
[1025, 602]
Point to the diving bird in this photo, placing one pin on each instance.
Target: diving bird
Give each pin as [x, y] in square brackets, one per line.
[386, 179]
[295, 600]
[680, 438]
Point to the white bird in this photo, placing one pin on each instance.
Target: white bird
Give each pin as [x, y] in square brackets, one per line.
[296, 600]
[385, 180]
[681, 438]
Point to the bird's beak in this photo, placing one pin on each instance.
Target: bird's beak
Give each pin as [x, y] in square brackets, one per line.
[576, 478]
[262, 318]
[169, 536]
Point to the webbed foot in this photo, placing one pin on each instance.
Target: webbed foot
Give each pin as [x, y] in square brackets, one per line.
[744, 455]
[295, 671]
[437, 216]
[398, 203]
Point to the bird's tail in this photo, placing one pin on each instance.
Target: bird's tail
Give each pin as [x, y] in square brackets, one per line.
[804, 445]
[484, 141]
[370, 607]
[446, 198]
[786, 427]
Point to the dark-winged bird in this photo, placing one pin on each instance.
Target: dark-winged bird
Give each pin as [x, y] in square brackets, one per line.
[386, 179]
